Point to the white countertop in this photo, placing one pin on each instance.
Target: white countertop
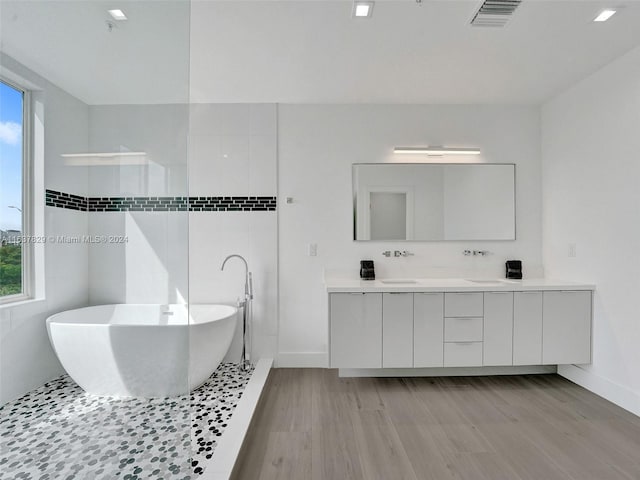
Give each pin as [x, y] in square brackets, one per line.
[335, 285]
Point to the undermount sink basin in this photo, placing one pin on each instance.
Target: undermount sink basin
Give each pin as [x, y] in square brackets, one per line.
[399, 282]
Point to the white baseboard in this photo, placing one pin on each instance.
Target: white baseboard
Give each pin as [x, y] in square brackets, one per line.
[226, 453]
[622, 396]
[445, 371]
[302, 360]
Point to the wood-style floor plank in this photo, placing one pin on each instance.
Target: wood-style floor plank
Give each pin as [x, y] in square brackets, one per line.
[313, 425]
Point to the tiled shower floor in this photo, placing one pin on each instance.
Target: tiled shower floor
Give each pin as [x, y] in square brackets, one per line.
[59, 432]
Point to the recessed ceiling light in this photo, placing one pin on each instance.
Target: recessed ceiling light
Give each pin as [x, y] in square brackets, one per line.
[604, 15]
[362, 9]
[117, 14]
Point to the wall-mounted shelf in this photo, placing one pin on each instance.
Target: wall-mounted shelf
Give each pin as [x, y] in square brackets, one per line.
[105, 158]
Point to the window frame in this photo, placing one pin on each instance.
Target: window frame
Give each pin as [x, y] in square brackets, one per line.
[28, 269]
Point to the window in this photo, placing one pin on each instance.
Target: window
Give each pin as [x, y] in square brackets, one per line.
[14, 205]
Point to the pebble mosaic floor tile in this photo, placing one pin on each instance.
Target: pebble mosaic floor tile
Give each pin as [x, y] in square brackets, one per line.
[59, 432]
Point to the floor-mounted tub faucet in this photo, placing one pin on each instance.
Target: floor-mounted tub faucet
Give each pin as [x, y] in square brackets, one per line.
[246, 310]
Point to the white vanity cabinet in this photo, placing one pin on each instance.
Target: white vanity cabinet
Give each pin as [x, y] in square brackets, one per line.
[566, 327]
[397, 330]
[527, 328]
[404, 329]
[498, 329]
[463, 304]
[463, 329]
[356, 330]
[428, 329]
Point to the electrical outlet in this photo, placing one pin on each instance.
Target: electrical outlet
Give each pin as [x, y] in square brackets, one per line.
[572, 250]
[312, 249]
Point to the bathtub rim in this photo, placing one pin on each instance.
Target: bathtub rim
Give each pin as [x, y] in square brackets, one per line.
[55, 319]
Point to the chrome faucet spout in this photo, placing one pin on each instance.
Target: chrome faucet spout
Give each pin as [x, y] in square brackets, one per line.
[246, 266]
[248, 287]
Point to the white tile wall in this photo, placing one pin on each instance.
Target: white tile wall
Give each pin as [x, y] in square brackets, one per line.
[213, 236]
[27, 359]
[66, 263]
[234, 153]
[152, 266]
[159, 130]
[106, 261]
[223, 119]
[219, 165]
[263, 155]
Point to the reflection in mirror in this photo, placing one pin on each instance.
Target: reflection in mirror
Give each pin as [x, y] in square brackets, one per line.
[434, 202]
[388, 215]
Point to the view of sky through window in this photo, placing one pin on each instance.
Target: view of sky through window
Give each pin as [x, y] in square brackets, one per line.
[10, 157]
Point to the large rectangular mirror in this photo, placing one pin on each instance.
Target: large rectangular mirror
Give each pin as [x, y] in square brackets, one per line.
[434, 201]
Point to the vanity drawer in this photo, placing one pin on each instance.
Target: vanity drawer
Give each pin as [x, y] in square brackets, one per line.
[463, 354]
[463, 304]
[463, 329]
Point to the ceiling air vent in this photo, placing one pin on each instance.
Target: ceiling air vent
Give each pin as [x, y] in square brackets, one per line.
[495, 13]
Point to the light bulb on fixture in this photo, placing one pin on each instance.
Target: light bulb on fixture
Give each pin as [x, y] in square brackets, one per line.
[436, 151]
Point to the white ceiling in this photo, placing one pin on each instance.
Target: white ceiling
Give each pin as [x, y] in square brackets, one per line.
[143, 60]
[308, 51]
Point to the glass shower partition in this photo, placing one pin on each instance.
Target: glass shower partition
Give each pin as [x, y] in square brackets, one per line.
[107, 190]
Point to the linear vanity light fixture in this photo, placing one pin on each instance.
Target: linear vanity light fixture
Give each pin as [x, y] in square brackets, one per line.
[436, 151]
[105, 158]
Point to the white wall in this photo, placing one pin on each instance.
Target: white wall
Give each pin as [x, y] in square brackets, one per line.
[159, 130]
[233, 152]
[317, 146]
[26, 357]
[590, 146]
[176, 256]
[152, 265]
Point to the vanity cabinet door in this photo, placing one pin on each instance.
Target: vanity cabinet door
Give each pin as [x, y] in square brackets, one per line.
[566, 327]
[428, 329]
[498, 328]
[527, 328]
[397, 330]
[356, 330]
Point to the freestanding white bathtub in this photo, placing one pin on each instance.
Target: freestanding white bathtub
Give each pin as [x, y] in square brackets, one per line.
[142, 350]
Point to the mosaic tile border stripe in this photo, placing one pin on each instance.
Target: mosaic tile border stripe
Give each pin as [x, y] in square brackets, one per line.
[65, 200]
[160, 204]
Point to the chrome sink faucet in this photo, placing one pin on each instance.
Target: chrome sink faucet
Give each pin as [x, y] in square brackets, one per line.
[397, 253]
[475, 253]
